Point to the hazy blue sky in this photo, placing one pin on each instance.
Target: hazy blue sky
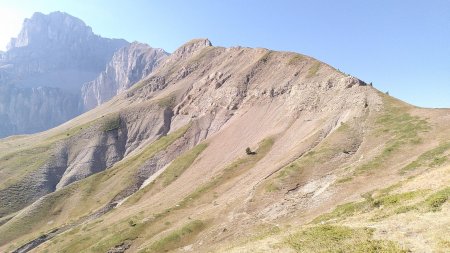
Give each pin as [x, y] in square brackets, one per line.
[401, 46]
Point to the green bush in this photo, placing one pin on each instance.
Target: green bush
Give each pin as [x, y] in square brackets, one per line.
[111, 123]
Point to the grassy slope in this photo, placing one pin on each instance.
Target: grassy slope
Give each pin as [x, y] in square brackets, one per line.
[170, 174]
[356, 226]
[31, 156]
[328, 238]
[166, 230]
[18, 164]
[64, 206]
[161, 230]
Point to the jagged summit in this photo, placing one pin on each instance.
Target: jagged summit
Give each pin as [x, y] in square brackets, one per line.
[59, 40]
[56, 27]
[58, 53]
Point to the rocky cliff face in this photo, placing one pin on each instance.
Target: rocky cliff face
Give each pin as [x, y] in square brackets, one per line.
[128, 65]
[58, 53]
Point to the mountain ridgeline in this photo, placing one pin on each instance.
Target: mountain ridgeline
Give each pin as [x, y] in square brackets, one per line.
[213, 149]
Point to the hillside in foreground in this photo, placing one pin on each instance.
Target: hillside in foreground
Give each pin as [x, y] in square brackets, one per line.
[233, 150]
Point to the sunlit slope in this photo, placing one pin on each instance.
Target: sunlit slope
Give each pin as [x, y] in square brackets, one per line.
[164, 167]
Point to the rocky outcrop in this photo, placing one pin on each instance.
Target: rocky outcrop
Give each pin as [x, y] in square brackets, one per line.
[128, 65]
[42, 72]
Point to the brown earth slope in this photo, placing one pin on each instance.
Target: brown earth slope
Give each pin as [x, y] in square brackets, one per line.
[335, 165]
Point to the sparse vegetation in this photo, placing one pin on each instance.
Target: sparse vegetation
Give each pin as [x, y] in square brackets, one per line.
[110, 123]
[272, 187]
[313, 69]
[265, 57]
[28, 221]
[102, 185]
[430, 159]
[396, 199]
[181, 163]
[171, 173]
[343, 139]
[402, 129]
[435, 201]
[27, 160]
[296, 59]
[31, 157]
[137, 86]
[405, 209]
[204, 53]
[327, 238]
[231, 171]
[134, 162]
[177, 238]
[309, 158]
[344, 180]
[343, 211]
[167, 102]
[383, 206]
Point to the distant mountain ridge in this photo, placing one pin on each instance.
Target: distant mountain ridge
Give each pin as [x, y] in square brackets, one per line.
[58, 54]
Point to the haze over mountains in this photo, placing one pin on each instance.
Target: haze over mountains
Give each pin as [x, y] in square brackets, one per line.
[58, 68]
[213, 149]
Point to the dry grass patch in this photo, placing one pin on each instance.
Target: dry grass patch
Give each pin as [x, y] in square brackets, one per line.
[233, 170]
[400, 128]
[312, 71]
[435, 201]
[177, 238]
[296, 59]
[334, 149]
[380, 207]
[94, 191]
[110, 123]
[430, 159]
[328, 238]
[170, 174]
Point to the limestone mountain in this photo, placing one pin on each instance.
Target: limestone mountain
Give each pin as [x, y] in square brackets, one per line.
[59, 42]
[335, 165]
[128, 65]
[44, 69]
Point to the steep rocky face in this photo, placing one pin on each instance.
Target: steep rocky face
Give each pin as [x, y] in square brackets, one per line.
[128, 65]
[58, 53]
